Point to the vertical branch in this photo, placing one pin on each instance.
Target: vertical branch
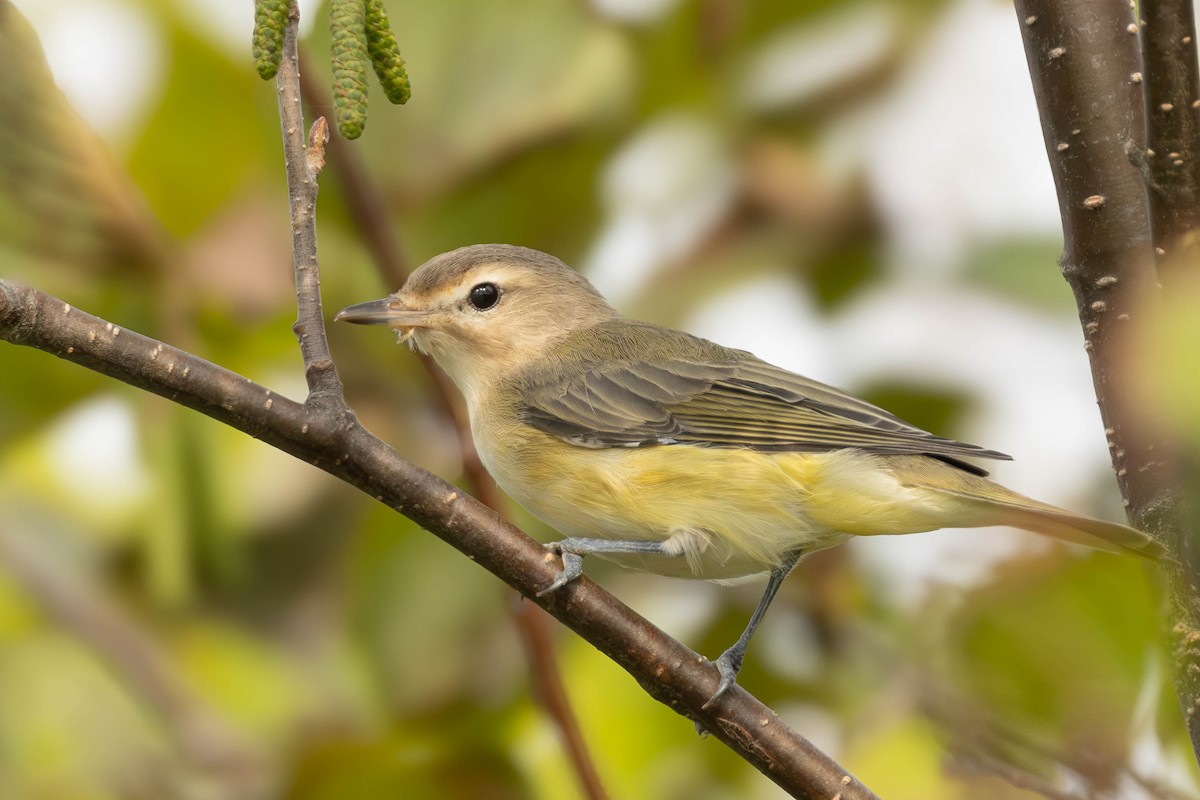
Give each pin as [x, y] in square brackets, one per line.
[1172, 102]
[1169, 65]
[1084, 62]
[303, 161]
[1087, 74]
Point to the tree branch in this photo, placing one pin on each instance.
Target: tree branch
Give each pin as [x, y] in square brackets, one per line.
[1087, 77]
[324, 432]
[335, 442]
[1167, 34]
[304, 161]
[1172, 103]
[1081, 58]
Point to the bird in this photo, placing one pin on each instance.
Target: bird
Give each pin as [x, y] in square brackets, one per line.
[672, 454]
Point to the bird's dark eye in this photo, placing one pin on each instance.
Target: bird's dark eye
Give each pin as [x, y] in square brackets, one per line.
[484, 296]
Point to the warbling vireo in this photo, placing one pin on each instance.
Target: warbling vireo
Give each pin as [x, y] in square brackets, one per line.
[672, 454]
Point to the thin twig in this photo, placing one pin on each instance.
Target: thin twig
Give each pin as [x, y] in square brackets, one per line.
[336, 443]
[304, 161]
[369, 214]
[1086, 70]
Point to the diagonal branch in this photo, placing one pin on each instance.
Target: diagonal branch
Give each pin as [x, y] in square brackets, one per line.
[324, 432]
[335, 442]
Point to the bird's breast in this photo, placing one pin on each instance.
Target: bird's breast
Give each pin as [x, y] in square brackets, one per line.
[740, 510]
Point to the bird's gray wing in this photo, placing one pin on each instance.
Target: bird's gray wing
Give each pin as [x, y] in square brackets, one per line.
[667, 387]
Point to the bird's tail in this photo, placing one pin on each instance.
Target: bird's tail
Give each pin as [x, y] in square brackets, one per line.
[990, 503]
[1069, 527]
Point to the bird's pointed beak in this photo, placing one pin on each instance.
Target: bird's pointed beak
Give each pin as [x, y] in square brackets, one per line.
[388, 311]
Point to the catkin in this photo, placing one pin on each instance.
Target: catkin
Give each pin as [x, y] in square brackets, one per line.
[347, 28]
[385, 54]
[270, 18]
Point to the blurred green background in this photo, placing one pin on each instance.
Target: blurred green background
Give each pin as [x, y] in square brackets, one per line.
[854, 190]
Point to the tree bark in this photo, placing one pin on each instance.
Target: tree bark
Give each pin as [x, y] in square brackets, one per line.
[1167, 33]
[1117, 199]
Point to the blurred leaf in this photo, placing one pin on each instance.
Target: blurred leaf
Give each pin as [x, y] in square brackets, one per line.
[214, 129]
[18, 614]
[642, 748]
[434, 623]
[1023, 269]
[248, 678]
[561, 174]
[165, 544]
[900, 759]
[70, 725]
[1008, 649]
[1162, 366]
[934, 409]
[453, 757]
[93, 481]
[838, 276]
[62, 198]
[491, 80]
[58, 389]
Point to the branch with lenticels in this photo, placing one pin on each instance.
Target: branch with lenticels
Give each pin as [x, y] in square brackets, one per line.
[325, 433]
[332, 439]
[1125, 169]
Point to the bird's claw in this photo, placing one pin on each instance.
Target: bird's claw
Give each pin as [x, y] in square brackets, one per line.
[572, 569]
[728, 664]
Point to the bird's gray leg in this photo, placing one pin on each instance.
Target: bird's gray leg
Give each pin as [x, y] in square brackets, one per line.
[730, 662]
[573, 550]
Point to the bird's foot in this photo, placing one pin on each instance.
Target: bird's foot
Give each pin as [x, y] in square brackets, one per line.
[728, 664]
[572, 568]
[573, 549]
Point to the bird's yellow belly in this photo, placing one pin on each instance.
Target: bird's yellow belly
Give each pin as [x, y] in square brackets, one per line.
[730, 512]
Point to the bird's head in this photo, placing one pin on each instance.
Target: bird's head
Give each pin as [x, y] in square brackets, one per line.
[485, 311]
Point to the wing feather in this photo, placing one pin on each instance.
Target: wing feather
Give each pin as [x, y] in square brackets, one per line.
[667, 387]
